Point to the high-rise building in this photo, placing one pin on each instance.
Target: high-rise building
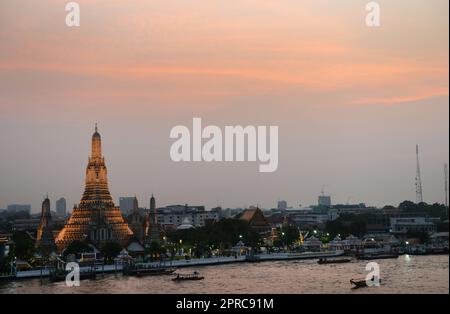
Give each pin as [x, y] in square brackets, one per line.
[128, 204]
[174, 215]
[15, 208]
[61, 207]
[282, 205]
[324, 200]
[96, 219]
[45, 240]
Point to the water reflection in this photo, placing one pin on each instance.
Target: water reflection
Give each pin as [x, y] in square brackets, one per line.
[406, 274]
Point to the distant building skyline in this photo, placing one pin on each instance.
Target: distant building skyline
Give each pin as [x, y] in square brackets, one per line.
[15, 208]
[128, 204]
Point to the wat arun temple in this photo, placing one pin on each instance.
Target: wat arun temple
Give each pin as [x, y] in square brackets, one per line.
[96, 219]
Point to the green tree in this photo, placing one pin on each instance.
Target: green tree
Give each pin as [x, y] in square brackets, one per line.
[358, 226]
[278, 243]
[336, 227]
[77, 247]
[408, 206]
[289, 234]
[24, 246]
[155, 250]
[110, 250]
[223, 234]
[422, 236]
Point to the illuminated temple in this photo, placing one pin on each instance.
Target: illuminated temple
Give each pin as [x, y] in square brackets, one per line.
[96, 219]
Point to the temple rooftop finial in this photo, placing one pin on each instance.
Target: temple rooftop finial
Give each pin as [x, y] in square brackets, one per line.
[96, 128]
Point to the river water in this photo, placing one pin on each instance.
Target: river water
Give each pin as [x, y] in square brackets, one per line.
[406, 274]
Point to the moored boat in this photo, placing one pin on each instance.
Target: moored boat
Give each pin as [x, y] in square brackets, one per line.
[334, 260]
[7, 277]
[147, 269]
[361, 283]
[182, 277]
[62, 275]
[252, 258]
[152, 271]
[378, 256]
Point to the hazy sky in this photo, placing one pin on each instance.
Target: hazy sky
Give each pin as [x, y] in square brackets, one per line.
[350, 101]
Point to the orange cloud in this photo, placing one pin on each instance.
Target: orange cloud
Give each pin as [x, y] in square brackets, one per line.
[427, 94]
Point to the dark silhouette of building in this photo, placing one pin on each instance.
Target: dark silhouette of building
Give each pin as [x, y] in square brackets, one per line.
[137, 222]
[45, 240]
[153, 233]
[257, 221]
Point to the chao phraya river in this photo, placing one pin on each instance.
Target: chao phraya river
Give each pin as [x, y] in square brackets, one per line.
[406, 274]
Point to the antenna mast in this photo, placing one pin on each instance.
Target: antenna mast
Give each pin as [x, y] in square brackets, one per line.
[419, 194]
[446, 185]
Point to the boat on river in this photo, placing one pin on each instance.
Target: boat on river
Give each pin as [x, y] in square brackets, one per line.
[61, 275]
[7, 277]
[322, 261]
[183, 277]
[378, 256]
[360, 283]
[147, 269]
[153, 271]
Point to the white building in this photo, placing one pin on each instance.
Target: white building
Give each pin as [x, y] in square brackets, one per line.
[310, 216]
[412, 224]
[176, 214]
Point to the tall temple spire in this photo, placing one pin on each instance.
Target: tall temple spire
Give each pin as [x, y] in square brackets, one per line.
[96, 218]
[96, 151]
[153, 233]
[45, 240]
[153, 210]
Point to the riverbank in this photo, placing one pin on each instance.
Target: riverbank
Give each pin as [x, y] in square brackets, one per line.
[403, 275]
[44, 272]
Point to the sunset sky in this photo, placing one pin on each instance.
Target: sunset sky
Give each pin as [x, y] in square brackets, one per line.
[351, 102]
